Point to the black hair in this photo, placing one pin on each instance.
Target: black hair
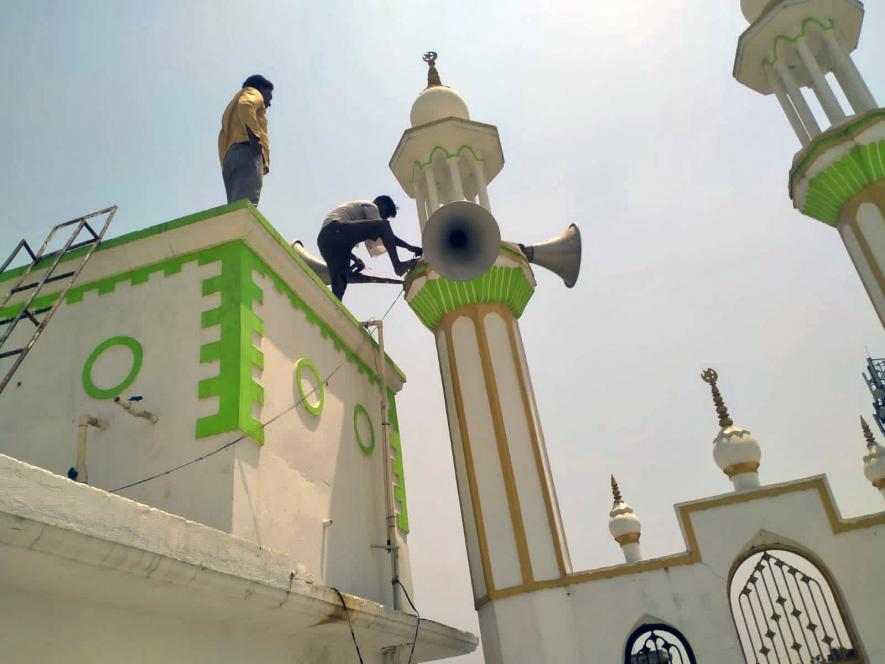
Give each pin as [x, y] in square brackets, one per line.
[258, 82]
[387, 203]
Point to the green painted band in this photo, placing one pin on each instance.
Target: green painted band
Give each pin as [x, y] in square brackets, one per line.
[418, 165]
[106, 393]
[834, 186]
[365, 449]
[769, 62]
[499, 285]
[312, 408]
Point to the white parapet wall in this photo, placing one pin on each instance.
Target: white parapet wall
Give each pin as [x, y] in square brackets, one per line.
[589, 616]
[219, 328]
[86, 576]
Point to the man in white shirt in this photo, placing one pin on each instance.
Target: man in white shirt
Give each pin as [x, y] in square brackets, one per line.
[360, 221]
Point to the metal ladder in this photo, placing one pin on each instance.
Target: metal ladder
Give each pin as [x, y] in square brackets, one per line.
[36, 286]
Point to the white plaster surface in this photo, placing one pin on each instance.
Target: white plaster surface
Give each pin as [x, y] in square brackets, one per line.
[599, 614]
[522, 454]
[86, 576]
[471, 538]
[490, 481]
[863, 269]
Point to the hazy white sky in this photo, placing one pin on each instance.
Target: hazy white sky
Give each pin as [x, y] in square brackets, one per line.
[622, 117]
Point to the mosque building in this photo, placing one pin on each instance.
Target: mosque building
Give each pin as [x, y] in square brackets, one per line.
[214, 468]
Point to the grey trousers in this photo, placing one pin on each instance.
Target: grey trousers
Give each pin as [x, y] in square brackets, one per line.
[243, 172]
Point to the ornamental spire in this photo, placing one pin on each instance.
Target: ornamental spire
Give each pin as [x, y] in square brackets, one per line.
[710, 377]
[867, 432]
[616, 491]
[432, 74]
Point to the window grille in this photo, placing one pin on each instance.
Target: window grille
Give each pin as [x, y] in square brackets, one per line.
[658, 644]
[786, 612]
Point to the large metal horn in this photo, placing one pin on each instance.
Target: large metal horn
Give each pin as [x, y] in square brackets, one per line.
[461, 240]
[561, 254]
[319, 266]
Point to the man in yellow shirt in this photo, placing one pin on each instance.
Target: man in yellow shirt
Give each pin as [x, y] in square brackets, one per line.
[243, 147]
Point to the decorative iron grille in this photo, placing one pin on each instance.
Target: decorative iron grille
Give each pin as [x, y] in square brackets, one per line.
[658, 644]
[787, 613]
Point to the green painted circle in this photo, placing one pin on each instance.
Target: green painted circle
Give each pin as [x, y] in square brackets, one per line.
[365, 449]
[300, 366]
[137, 356]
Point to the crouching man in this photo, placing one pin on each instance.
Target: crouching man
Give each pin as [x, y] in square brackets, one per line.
[360, 221]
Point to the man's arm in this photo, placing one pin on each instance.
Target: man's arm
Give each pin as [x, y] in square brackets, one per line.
[405, 245]
[247, 111]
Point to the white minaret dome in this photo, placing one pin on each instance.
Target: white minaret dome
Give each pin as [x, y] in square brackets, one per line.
[874, 459]
[753, 9]
[624, 525]
[735, 450]
[437, 101]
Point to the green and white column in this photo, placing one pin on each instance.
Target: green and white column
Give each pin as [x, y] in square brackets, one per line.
[838, 177]
[512, 526]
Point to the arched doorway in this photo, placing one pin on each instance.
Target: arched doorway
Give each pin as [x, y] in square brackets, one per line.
[658, 644]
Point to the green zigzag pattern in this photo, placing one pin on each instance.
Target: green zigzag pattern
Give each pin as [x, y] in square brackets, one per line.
[504, 285]
[830, 189]
[234, 351]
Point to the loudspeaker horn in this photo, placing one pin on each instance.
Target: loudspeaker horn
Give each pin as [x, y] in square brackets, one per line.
[561, 254]
[461, 240]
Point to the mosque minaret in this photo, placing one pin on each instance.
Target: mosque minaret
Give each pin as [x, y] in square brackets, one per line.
[838, 177]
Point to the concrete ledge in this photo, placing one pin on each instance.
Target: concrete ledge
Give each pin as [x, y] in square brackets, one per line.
[136, 557]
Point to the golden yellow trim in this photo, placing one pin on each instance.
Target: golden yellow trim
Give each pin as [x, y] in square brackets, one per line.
[446, 329]
[693, 555]
[555, 535]
[738, 468]
[875, 194]
[879, 483]
[476, 312]
[627, 538]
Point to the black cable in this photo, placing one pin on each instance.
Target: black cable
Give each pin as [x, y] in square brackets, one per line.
[349, 624]
[417, 615]
[263, 424]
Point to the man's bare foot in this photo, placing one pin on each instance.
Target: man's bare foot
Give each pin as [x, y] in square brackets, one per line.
[404, 267]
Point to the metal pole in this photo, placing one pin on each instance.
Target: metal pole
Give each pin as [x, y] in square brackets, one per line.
[392, 544]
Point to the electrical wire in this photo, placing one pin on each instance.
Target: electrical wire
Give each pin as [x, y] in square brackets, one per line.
[350, 624]
[417, 615]
[289, 408]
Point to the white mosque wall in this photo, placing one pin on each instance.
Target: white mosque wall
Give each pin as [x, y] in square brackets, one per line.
[277, 485]
[589, 617]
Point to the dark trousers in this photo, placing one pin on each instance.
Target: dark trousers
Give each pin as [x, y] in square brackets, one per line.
[337, 240]
[243, 172]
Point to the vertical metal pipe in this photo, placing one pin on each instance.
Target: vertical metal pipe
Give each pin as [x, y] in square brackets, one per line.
[80, 466]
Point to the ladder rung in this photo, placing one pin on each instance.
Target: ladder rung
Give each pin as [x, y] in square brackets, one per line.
[36, 312]
[10, 353]
[54, 277]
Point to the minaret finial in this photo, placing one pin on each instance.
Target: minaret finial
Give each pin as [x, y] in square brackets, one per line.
[867, 432]
[432, 73]
[710, 377]
[616, 491]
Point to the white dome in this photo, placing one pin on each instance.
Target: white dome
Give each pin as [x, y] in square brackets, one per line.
[623, 521]
[735, 447]
[874, 464]
[753, 8]
[438, 102]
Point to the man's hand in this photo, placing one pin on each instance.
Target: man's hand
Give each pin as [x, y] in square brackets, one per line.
[418, 251]
[357, 264]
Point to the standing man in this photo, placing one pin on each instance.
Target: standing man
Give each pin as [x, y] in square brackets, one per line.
[359, 221]
[243, 147]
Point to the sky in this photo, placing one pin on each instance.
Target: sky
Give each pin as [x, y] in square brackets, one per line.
[621, 117]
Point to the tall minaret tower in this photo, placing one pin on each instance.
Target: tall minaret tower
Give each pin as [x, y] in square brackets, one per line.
[512, 525]
[838, 177]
